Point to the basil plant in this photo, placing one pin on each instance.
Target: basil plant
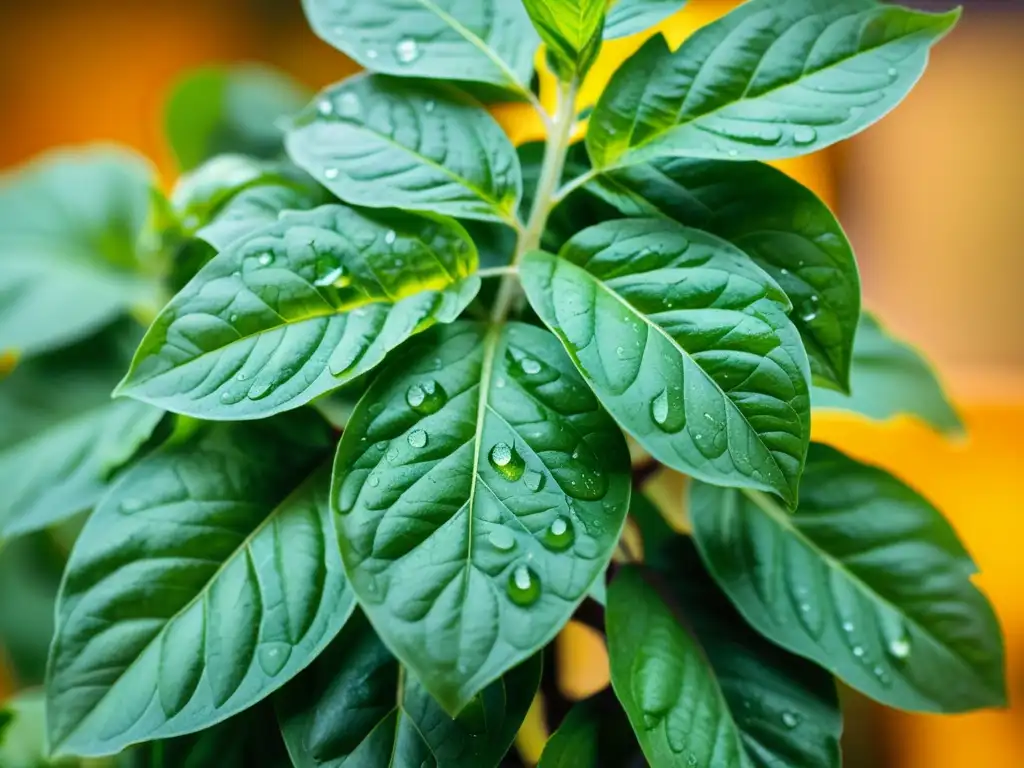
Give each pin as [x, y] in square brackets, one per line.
[402, 380]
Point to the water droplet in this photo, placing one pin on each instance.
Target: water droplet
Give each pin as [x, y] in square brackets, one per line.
[502, 539]
[659, 408]
[371, 53]
[500, 383]
[241, 377]
[507, 462]
[733, 153]
[790, 719]
[858, 651]
[429, 106]
[530, 366]
[417, 438]
[225, 397]
[560, 535]
[784, 271]
[407, 50]
[333, 277]
[665, 417]
[331, 173]
[533, 480]
[691, 759]
[426, 398]
[130, 505]
[273, 656]
[265, 259]
[325, 107]
[348, 106]
[899, 648]
[339, 31]
[805, 607]
[373, 481]
[523, 586]
[233, 318]
[891, 72]
[804, 135]
[389, 238]
[848, 626]
[809, 316]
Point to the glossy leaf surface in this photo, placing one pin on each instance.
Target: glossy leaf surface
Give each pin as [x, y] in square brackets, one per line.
[771, 79]
[866, 578]
[299, 308]
[628, 17]
[574, 744]
[255, 207]
[355, 706]
[206, 579]
[685, 341]
[481, 489]
[571, 30]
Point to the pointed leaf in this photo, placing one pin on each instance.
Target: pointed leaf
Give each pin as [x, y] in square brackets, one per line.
[772, 79]
[356, 706]
[206, 579]
[483, 41]
[571, 29]
[627, 17]
[574, 744]
[890, 378]
[481, 490]
[385, 142]
[299, 308]
[684, 341]
[866, 578]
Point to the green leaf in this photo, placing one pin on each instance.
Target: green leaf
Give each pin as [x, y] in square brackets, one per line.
[866, 578]
[356, 706]
[69, 223]
[299, 308]
[891, 378]
[482, 41]
[206, 579]
[22, 732]
[628, 17]
[713, 694]
[772, 79]
[385, 142]
[218, 110]
[775, 220]
[684, 341]
[258, 206]
[574, 744]
[63, 438]
[571, 29]
[481, 489]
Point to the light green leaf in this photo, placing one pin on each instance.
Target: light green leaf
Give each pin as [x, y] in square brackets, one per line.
[219, 110]
[207, 578]
[571, 29]
[714, 694]
[771, 79]
[628, 17]
[255, 207]
[23, 731]
[775, 220]
[481, 489]
[386, 142]
[355, 706]
[482, 41]
[574, 744]
[891, 378]
[685, 341]
[866, 578]
[69, 223]
[300, 308]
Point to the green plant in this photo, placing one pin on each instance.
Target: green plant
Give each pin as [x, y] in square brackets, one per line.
[485, 326]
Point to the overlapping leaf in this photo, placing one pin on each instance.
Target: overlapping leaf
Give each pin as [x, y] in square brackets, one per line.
[481, 489]
[299, 308]
[772, 79]
[866, 578]
[685, 341]
[571, 29]
[205, 580]
[574, 744]
[627, 17]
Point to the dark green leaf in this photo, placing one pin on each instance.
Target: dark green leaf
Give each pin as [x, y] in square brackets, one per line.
[685, 341]
[627, 17]
[300, 308]
[772, 79]
[355, 706]
[866, 578]
[69, 224]
[571, 29]
[891, 378]
[574, 744]
[207, 578]
[483, 41]
[386, 142]
[481, 490]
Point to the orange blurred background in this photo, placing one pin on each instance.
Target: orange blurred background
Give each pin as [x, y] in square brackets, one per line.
[929, 198]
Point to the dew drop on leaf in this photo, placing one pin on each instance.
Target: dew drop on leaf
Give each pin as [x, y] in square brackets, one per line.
[429, 106]
[848, 626]
[407, 50]
[131, 505]
[325, 107]
[389, 238]
[331, 173]
[373, 480]
[265, 259]
[664, 416]
[332, 277]
[349, 104]
[426, 398]
[272, 657]
[392, 454]
[892, 72]
[506, 461]
[790, 719]
[899, 648]
[533, 480]
[560, 535]
[530, 366]
[804, 135]
[523, 586]
[417, 438]
[858, 651]
[371, 53]
[502, 540]
[733, 153]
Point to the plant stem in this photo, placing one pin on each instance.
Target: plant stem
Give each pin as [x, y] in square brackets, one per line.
[555, 151]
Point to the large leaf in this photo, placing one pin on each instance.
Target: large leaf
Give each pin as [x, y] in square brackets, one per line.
[772, 79]
[386, 142]
[483, 41]
[206, 578]
[256, 207]
[779, 223]
[481, 490]
[574, 744]
[890, 378]
[866, 578]
[627, 17]
[684, 340]
[68, 230]
[355, 706]
[216, 110]
[299, 308]
[62, 437]
[571, 29]
[713, 694]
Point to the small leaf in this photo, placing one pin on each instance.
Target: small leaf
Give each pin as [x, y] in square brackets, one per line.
[356, 706]
[628, 17]
[214, 111]
[23, 732]
[866, 578]
[207, 578]
[386, 142]
[574, 744]
[482, 41]
[891, 378]
[571, 29]
[481, 489]
[684, 341]
[69, 223]
[300, 308]
[772, 79]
